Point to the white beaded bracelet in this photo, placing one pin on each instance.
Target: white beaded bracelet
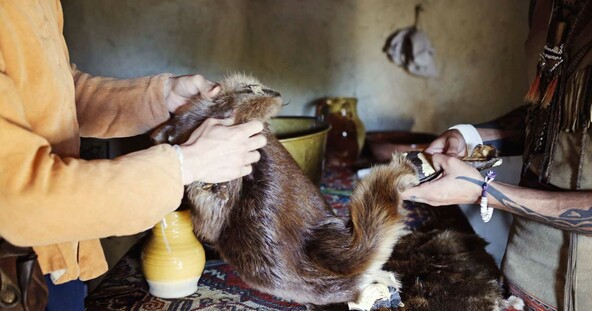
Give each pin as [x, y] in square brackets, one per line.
[486, 211]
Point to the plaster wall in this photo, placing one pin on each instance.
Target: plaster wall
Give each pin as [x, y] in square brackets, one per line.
[308, 49]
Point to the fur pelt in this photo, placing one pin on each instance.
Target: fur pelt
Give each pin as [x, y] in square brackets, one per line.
[445, 270]
[274, 226]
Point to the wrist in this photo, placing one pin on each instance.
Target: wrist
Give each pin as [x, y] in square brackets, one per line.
[185, 178]
[470, 135]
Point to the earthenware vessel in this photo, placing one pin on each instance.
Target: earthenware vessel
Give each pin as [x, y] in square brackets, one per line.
[173, 259]
[346, 137]
[383, 144]
[305, 138]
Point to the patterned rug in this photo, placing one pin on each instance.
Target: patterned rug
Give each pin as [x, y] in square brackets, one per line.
[220, 287]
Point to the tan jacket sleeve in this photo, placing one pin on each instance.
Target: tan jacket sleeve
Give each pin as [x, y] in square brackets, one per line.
[108, 107]
[75, 199]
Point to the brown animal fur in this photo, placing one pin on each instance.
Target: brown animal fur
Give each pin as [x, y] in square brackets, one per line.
[274, 226]
[445, 270]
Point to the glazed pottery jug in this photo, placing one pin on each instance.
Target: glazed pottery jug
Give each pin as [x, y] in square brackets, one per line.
[346, 137]
[173, 259]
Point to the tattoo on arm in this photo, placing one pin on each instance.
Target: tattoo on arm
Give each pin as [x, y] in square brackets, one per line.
[512, 128]
[573, 219]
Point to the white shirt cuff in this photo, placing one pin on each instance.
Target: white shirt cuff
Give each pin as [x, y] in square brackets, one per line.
[470, 134]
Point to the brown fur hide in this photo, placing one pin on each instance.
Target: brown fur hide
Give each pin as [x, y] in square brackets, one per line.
[445, 270]
[275, 228]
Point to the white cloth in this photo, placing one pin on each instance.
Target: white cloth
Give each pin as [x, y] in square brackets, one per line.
[410, 48]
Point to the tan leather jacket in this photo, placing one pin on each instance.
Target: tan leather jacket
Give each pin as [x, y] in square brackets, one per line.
[49, 198]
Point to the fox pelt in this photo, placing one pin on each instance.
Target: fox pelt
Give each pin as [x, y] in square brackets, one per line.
[275, 227]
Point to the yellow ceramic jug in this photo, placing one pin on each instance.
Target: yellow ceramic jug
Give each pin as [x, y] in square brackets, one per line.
[173, 259]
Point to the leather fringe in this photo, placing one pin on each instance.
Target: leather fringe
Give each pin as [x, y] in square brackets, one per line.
[570, 288]
[577, 103]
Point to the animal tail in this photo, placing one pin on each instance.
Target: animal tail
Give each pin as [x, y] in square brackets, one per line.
[377, 214]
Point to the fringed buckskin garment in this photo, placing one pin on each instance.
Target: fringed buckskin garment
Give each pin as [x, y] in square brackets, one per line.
[551, 269]
[49, 198]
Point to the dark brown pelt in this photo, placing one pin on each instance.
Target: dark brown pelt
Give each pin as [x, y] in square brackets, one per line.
[445, 270]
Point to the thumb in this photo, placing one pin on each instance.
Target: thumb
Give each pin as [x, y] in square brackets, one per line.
[214, 90]
[436, 146]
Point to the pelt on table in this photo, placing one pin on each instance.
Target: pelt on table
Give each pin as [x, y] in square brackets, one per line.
[445, 270]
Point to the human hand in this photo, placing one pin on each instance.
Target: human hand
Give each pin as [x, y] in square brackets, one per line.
[451, 143]
[452, 187]
[178, 90]
[218, 151]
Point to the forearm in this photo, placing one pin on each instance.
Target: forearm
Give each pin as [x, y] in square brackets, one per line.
[109, 107]
[80, 200]
[506, 133]
[569, 210]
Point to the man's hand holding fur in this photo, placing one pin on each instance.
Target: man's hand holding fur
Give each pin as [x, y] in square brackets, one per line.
[178, 90]
[448, 188]
[218, 151]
